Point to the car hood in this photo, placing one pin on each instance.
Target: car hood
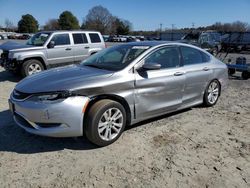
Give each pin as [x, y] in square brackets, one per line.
[65, 78]
[7, 46]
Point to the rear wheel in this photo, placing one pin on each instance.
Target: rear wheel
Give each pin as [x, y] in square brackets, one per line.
[245, 75]
[212, 93]
[105, 122]
[31, 66]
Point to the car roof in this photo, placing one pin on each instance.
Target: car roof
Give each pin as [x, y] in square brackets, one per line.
[149, 43]
[70, 31]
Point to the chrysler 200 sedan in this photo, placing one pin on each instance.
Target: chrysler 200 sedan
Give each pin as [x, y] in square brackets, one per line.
[116, 87]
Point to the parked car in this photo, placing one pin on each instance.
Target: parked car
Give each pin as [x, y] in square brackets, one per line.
[49, 49]
[117, 87]
[210, 40]
[2, 37]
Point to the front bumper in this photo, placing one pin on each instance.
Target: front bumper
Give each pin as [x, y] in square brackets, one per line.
[10, 64]
[56, 119]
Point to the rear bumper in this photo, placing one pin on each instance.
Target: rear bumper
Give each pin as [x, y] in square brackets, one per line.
[57, 119]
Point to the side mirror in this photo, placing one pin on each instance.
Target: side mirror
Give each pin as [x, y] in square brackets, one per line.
[151, 66]
[51, 44]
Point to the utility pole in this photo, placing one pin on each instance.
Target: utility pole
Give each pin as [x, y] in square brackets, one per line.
[172, 30]
[160, 30]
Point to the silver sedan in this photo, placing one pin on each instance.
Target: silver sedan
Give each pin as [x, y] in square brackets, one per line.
[117, 87]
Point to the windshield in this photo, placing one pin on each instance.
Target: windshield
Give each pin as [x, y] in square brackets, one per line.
[115, 58]
[38, 39]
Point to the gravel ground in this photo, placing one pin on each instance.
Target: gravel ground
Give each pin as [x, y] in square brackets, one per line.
[197, 147]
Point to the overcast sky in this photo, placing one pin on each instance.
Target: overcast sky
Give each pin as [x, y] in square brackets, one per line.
[144, 14]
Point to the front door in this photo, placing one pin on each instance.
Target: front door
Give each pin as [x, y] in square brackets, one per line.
[62, 52]
[159, 91]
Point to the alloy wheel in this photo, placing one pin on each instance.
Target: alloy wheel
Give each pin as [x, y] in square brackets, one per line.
[110, 124]
[34, 68]
[213, 92]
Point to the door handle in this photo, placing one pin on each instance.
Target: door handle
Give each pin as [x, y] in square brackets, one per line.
[68, 49]
[178, 73]
[86, 47]
[206, 68]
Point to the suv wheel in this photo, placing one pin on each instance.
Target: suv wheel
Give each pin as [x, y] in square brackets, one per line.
[105, 122]
[212, 93]
[31, 66]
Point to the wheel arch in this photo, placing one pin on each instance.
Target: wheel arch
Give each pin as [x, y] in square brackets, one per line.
[113, 97]
[37, 58]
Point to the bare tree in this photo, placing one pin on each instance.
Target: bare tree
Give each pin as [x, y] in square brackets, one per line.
[8, 24]
[99, 18]
[52, 24]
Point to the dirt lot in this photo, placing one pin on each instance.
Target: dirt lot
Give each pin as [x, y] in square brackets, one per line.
[198, 147]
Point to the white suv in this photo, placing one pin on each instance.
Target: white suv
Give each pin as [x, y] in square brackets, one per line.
[50, 49]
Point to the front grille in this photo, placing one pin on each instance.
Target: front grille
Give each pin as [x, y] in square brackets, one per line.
[23, 121]
[20, 95]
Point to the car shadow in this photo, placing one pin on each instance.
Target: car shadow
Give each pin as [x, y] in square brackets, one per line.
[15, 139]
[235, 77]
[7, 76]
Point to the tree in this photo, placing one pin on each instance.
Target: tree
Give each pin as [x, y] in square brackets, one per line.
[8, 24]
[28, 24]
[100, 19]
[52, 24]
[122, 27]
[68, 21]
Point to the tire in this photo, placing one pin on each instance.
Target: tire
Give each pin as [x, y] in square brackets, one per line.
[245, 75]
[101, 130]
[212, 93]
[231, 71]
[29, 64]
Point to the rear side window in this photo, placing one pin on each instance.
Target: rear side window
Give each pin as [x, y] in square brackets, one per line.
[191, 56]
[167, 57]
[205, 57]
[80, 38]
[61, 39]
[94, 37]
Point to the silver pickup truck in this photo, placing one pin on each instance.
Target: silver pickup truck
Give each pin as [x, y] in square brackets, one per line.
[50, 49]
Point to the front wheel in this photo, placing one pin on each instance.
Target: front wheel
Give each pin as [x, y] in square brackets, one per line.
[105, 123]
[31, 66]
[212, 93]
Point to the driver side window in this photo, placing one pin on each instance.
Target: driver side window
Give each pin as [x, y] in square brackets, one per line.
[61, 39]
[167, 57]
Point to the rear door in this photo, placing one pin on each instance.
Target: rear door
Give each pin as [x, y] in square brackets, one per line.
[159, 91]
[62, 51]
[198, 71]
[81, 46]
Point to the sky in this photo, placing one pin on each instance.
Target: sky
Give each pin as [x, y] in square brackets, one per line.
[143, 14]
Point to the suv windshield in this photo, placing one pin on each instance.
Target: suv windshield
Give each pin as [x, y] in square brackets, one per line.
[38, 39]
[115, 58]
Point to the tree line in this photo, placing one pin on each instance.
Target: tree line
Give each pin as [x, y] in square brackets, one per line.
[98, 18]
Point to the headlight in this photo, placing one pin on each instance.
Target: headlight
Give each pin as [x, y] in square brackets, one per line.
[54, 96]
[48, 97]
